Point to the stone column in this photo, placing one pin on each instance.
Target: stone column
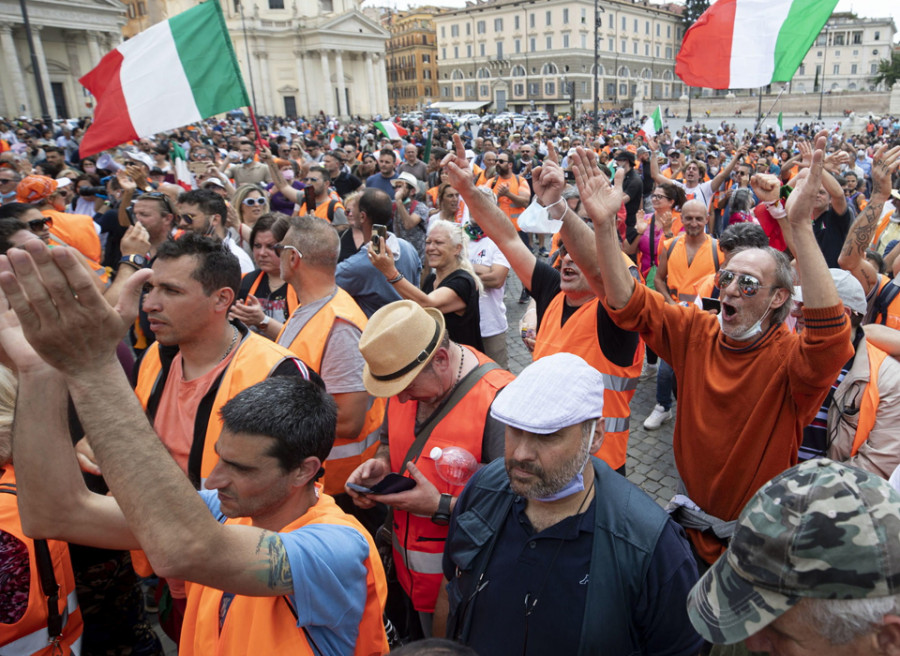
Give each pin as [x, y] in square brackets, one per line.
[370, 79]
[303, 108]
[42, 66]
[93, 48]
[342, 109]
[266, 102]
[382, 103]
[327, 89]
[14, 70]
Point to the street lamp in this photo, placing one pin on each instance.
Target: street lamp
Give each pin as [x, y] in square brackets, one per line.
[597, 25]
[689, 119]
[824, 65]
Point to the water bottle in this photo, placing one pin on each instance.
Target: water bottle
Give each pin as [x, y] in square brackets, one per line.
[454, 464]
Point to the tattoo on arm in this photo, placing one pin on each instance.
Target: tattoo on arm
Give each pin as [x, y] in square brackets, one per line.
[863, 229]
[278, 567]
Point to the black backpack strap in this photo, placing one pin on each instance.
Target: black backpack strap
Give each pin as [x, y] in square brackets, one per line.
[331, 205]
[715, 253]
[883, 301]
[672, 247]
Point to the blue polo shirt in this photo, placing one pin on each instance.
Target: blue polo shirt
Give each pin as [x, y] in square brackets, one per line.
[548, 572]
[378, 181]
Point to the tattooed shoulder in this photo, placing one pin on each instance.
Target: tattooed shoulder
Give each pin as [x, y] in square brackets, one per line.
[274, 563]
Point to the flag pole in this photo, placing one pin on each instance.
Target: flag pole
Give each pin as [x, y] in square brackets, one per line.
[763, 119]
[259, 138]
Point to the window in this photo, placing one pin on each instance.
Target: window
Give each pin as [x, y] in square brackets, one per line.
[498, 24]
[470, 91]
[427, 74]
[549, 69]
[481, 49]
[818, 70]
[457, 91]
[873, 69]
[454, 31]
[668, 52]
[875, 52]
[855, 53]
[857, 38]
[427, 91]
[647, 27]
[518, 71]
[443, 53]
[584, 40]
[646, 49]
[634, 46]
[499, 49]
[853, 68]
[635, 25]
[837, 53]
[624, 23]
[326, 6]
[610, 90]
[549, 88]
[445, 92]
[624, 47]
[443, 32]
[276, 4]
[517, 44]
[566, 16]
[549, 42]
[469, 50]
[801, 70]
[534, 88]
[821, 40]
[838, 40]
[668, 31]
[837, 69]
[426, 59]
[516, 22]
[533, 44]
[583, 88]
[612, 46]
[549, 18]
[818, 53]
[623, 89]
[518, 89]
[131, 12]
[583, 16]
[480, 27]
[455, 52]
[565, 40]
[657, 52]
[483, 90]
[657, 31]
[531, 20]
[468, 29]
[878, 36]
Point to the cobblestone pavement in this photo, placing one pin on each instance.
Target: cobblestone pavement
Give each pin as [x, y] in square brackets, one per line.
[651, 465]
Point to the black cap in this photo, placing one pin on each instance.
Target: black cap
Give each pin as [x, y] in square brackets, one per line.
[626, 155]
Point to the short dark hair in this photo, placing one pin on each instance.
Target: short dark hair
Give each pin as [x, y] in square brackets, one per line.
[299, 415]
[54, 149]
[435, 647]
[388, 151]
[377, 205]
[274, 222]
[217, 266]
[320, 169]
[208, 201]
[15, 210]
[164, 202]
[743, 235]
[8, 227]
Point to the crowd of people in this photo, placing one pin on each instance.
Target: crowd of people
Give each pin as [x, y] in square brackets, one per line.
[258, 380]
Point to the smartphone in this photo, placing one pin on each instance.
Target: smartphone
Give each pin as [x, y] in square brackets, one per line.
[310, 195]
[378, 231]
[711, 304]
[390, 484]
[360, 488]
[197, 168]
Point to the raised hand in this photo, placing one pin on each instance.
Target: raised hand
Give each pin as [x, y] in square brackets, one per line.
[459, 171]
[125, 181]
[884, 164]
[601, 199]
[766, 186]
[549, 180]
[800, 202]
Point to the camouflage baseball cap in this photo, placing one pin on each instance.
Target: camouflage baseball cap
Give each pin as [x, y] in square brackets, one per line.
[820, 529]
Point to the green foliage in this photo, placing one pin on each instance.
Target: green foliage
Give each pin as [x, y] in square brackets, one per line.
[888, 71]
[693, 9]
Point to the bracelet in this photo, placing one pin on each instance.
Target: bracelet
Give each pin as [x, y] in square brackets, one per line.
[399, 277]
[555, 203]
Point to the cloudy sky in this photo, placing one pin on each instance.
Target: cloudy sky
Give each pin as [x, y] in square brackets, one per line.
[867, 8]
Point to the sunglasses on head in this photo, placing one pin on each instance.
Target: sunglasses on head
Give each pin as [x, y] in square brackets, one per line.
[748, 285]
[39, 224]
[250, 202]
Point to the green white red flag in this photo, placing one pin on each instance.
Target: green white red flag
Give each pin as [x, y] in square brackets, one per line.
[391, 130]
[173, 74]
[652, 125]
[744, 44]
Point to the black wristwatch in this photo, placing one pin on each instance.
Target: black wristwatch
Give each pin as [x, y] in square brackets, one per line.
[441, 516]
[137, 261]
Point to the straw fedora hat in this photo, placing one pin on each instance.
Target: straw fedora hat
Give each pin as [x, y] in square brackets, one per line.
[397, 343]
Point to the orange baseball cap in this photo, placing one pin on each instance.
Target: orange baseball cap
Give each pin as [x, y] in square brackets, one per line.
[33, 188]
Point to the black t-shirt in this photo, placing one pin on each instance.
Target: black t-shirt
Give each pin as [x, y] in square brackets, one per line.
[348, 246]
[274, 303]
[831, 230]
[465, 328]
[618, 346]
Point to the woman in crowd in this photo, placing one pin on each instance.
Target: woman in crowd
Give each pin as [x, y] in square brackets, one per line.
[290, 171]
[663, 222]
[450, 207]
[452, 287]
[352, 239]
[265, 301]
[249, 204]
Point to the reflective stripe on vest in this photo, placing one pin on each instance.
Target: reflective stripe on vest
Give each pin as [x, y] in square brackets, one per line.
[353, 449]
[36, 641]
[619, 383]
[870, 400]
[420, 562]
[616, 424]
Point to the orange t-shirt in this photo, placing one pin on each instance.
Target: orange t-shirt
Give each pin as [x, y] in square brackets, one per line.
[77, 231]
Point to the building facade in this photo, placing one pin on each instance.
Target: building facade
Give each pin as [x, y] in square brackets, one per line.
[516, 55]
[412, 70]
[69, 39]
[845, 55]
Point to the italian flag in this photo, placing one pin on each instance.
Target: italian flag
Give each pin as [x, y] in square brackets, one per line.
[744, 44]
[652, 125]
[183, 175]
[391, 130]
[779, 125]
[173, 74]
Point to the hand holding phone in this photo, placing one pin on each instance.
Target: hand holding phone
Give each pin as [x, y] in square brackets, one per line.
[378, 231]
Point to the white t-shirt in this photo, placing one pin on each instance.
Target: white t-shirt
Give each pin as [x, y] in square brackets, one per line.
[490, 303]
[702, 192]
[246, 262]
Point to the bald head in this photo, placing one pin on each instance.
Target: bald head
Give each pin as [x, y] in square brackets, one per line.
[694, 207]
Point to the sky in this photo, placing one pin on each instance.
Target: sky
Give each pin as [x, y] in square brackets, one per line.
[864, 8]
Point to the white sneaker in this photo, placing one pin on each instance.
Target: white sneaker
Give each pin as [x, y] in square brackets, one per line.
[649, 370]
[658, 417]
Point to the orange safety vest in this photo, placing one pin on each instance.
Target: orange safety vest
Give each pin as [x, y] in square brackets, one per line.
[882, 224]
[579, 336]
[682, 277]
[292, 301]
[77, 231]
[325, 211]
[309, 345]
[514, 183]
[30, 634]
[868, 407]
[268, 625]
[254, 361]
[419, 542]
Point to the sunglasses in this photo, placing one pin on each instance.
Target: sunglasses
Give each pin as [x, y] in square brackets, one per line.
[187, 219]
[281, 248]
[250, 202]
[36, 225]
[312, 180]
[748, 285]
[6, 180]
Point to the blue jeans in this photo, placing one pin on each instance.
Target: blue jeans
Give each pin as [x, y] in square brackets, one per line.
[665, 384]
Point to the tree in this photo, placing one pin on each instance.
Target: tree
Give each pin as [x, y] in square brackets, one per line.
[888, 71]
[693, 9]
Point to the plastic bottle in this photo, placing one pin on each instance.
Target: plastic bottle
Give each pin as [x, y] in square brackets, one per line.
[454, 464]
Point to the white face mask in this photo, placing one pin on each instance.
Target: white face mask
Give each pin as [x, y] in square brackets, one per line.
[752, 331]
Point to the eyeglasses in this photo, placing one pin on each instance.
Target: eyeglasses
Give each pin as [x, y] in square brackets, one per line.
[748, 285]
[36, 225]
[658, 197]
[250, 202]
[502, 161]
[281, 248]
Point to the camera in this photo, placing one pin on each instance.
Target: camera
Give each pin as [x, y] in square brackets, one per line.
[91, 191]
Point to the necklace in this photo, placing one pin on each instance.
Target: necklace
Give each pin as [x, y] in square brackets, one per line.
[234, 336]
[462, 358]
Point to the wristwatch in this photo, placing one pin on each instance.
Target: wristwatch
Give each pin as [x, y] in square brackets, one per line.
[441, 516]
[137, 261]
[265, 322]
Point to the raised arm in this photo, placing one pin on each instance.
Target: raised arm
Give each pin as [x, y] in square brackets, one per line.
[853, 254]
[818, 287]
[70, 325]
[278, 180]
[725, 171]
[655, 173]
[602, 201]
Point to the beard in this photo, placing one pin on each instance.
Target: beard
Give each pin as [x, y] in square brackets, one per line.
[549, 482]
